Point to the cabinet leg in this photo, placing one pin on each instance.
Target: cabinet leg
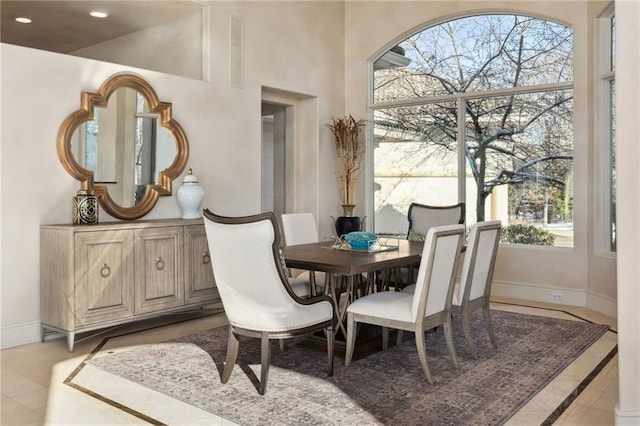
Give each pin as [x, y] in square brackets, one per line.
[43, 333]
[70, 338]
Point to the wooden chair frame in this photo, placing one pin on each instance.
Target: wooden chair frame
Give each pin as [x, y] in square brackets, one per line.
[266, 336]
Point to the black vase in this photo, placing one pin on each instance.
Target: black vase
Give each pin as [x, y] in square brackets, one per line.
[346, 224]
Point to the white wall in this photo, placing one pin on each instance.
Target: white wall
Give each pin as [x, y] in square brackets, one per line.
[40, 89]
[374, 27]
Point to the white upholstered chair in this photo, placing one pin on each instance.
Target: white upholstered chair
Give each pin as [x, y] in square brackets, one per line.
[255, 293]
[428, 307]
[473, 290]
[301, 286]
[422, 217]
[300, 228]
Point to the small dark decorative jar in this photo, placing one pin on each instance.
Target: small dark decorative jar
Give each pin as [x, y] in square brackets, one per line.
[347, 224]
[85, 207]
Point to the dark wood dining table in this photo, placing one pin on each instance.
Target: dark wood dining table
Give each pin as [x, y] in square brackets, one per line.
[351, 264]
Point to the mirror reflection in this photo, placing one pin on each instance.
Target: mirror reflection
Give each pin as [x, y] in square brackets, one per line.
[124, 146]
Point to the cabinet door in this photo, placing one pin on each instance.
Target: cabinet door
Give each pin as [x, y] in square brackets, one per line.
[159, 269]
[104, 274]
[199, 284]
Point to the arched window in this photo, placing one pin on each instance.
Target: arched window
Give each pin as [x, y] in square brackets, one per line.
[478, 109]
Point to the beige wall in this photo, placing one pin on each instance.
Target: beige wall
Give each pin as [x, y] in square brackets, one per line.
[181, 52]
[297, 47]
[374, 27]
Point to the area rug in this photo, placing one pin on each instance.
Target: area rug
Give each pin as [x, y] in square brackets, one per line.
[386, 387]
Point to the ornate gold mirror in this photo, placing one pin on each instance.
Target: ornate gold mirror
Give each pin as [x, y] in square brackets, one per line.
[123, 144]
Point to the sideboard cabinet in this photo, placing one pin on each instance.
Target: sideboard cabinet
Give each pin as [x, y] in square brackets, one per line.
[97, 276]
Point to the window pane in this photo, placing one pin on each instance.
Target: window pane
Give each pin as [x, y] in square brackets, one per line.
[475, 54]
[613, 43]
[415, 159]
[612, 150]
[91, 143]
[519, 152]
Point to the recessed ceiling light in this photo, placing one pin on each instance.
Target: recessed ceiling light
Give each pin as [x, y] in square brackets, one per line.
[99, 14]
[23, 20]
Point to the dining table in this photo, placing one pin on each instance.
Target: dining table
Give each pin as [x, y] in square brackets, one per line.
[352, 273]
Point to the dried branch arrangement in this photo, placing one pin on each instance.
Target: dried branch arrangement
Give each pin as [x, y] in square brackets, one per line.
[350, 148]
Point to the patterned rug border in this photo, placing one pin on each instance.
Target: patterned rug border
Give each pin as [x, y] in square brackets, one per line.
[411, 347]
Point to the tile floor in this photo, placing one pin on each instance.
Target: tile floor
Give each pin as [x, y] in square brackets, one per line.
[34, 393]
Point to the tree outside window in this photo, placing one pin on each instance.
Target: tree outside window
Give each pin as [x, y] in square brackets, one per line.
[478, 109]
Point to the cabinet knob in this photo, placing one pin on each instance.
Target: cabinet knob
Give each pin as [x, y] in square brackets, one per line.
[159, 264]
[206, 259]
[105, 271]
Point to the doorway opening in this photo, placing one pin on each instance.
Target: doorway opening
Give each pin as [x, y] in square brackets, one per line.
[277, 180]
[290, 152]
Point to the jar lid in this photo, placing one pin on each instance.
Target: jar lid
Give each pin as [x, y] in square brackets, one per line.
[190, 177]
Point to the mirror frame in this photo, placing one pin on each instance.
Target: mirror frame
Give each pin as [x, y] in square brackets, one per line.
[85, 113]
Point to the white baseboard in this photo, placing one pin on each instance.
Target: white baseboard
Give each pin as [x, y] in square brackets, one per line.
[627, 417]
[538, 293]
[555, 295]
[603, 304]
[20, 334]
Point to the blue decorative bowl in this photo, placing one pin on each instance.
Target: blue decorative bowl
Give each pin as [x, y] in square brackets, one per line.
[361, 240]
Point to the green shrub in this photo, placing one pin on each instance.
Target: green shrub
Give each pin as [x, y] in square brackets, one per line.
[526, 234]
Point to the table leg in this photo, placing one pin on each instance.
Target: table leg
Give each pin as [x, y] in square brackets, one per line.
[312, 282]
[336, 293]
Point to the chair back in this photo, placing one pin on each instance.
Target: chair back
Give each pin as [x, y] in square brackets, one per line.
[479, 261]
[299, 228]
[422, 217]
[252, 285]
[438, 265]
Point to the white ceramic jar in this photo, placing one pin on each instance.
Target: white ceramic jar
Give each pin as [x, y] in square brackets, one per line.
[190, 196]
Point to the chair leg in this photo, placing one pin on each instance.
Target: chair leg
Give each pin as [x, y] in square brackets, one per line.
[422, 354]
[466, 328]
[265, 357]
[448, 335]
[330, 348]
[489, 324]
[385, 338]
[351, 339]
[232, 356]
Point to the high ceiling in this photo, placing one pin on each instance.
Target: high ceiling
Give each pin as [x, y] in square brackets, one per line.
[66, 26]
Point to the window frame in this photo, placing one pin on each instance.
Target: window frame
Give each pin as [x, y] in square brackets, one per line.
[459, 98]
[603, 140]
